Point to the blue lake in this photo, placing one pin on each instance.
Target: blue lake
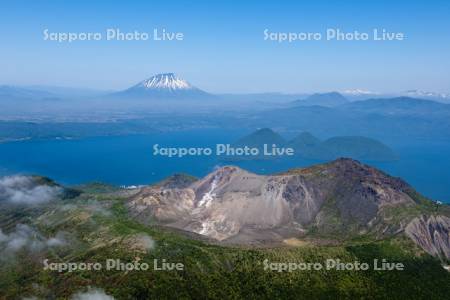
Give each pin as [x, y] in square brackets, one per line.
[129, 160]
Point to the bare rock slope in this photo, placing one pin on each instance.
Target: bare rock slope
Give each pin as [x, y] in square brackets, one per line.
[343, 197]
[432, 234]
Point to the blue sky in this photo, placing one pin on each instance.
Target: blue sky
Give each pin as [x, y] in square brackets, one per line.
[224, 49]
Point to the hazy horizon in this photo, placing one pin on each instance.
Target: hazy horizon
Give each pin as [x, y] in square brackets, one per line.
[262, 91]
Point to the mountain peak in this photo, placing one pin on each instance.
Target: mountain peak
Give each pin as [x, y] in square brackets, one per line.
[235, 206]
[330, 99]
[305, 139]
[165, 81]
[164, 86]
[260, 137]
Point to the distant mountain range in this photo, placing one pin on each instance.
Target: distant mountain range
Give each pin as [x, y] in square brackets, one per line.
[169, 85]
[356, 147]
[359, 94]
[400, 117]
[397, 106]
[8, 92]
[334, 99]
[324, 99]
[308, 146]
[443, 97]
[326, 114]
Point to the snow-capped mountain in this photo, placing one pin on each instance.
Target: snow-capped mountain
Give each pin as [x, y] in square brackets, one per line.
[357, 92]
[166, 81]
[166, 85]
[427, 95]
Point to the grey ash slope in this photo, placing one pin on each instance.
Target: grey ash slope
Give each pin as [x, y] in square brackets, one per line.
[342, 199]
[431, 233]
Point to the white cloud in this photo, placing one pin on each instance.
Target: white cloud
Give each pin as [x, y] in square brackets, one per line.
[92, 294]
[58, 240]
[147, 242]
[24, 190]
[98, 208]
[25, 237]
[140, 242]
[3, 237]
